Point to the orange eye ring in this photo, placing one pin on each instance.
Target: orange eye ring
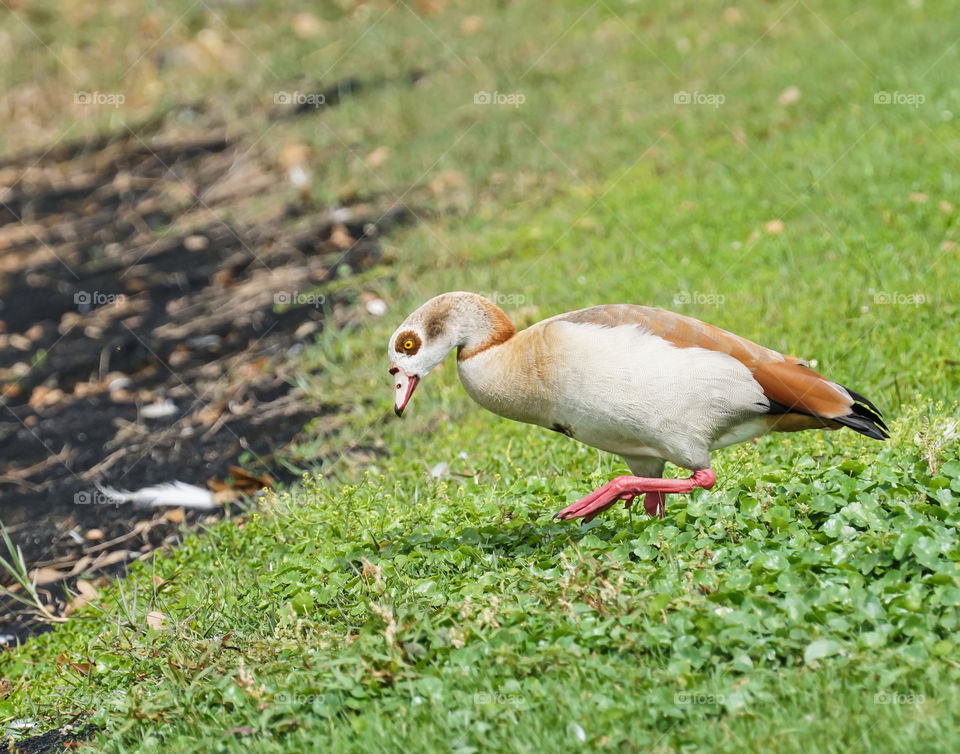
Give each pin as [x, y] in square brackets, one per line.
[407, 345]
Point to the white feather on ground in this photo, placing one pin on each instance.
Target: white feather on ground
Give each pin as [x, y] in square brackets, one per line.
[172, 494]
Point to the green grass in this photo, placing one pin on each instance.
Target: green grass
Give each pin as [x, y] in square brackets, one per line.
[377, 609]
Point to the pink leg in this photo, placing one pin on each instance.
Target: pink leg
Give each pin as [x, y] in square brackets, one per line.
[655, 503]
[628, 487]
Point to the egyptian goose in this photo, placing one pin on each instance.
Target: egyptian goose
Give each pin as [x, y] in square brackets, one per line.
[647, 384]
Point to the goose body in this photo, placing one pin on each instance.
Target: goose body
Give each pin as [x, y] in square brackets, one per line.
[647, 384]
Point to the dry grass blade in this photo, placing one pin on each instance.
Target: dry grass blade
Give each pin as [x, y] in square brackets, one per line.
[16, 568]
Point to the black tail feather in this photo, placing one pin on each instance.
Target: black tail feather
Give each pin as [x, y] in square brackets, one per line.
[870, 410]
[864, 417]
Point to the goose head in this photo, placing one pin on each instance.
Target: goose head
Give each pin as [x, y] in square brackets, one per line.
[461, 320]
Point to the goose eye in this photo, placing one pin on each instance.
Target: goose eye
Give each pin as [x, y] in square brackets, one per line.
[407, 343]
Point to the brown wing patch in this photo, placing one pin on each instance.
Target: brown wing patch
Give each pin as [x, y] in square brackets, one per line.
[687, 332]
[797, 386]
[784, 379]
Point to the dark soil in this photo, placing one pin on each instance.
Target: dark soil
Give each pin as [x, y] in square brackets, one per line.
[127, 287]
[60, 739]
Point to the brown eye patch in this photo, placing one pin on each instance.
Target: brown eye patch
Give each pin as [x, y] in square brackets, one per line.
[408, 342]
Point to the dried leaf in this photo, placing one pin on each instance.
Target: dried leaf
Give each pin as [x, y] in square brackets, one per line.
[196, 242]
[42, 576]
[732, 15]
[293, 154]
[44, 396]
[246, 482]
[789, 96]
[225, 495]
[471, 25]
[340, 237]
[109, 559]
[377, 157]
[80, 566]
[447, 180]
[87, 590]
[156, 620]
[143, 525]
[306, 25]
[81, 667]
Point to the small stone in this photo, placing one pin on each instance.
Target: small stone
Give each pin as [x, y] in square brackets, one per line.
[376, 307]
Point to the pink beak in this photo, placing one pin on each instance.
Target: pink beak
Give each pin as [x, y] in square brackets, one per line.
[405, 384]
